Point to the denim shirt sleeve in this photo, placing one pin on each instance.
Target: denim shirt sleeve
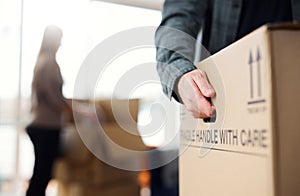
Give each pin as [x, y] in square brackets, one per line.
[175, 40]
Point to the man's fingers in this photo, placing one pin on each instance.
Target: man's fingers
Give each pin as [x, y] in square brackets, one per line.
[194, 89]
[203, 84]
[199, 111]
[204, 107]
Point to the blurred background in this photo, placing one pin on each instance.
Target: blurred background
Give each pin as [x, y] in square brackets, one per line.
[85, 24]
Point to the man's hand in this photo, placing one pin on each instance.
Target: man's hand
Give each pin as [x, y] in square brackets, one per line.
[194, 89]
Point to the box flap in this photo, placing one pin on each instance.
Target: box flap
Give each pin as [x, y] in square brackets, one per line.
[283, 25]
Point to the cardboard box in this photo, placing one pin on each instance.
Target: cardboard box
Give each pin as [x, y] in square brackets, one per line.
[253, 147]
[79, 171]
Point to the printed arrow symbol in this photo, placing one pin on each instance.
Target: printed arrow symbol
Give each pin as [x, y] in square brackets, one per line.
[258, 58]
[250, 62]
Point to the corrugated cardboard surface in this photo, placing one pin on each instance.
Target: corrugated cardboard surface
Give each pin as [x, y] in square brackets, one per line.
[240, 153]
[286, 93]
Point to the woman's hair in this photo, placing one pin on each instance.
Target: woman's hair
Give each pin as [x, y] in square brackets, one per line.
[51, 39]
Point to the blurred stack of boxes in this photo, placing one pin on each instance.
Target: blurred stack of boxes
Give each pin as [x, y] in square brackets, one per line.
[79, 172]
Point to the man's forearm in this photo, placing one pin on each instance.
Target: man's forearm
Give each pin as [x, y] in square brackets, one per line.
[175, 40]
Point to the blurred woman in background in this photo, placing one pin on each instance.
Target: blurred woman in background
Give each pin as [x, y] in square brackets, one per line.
[48, 106]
